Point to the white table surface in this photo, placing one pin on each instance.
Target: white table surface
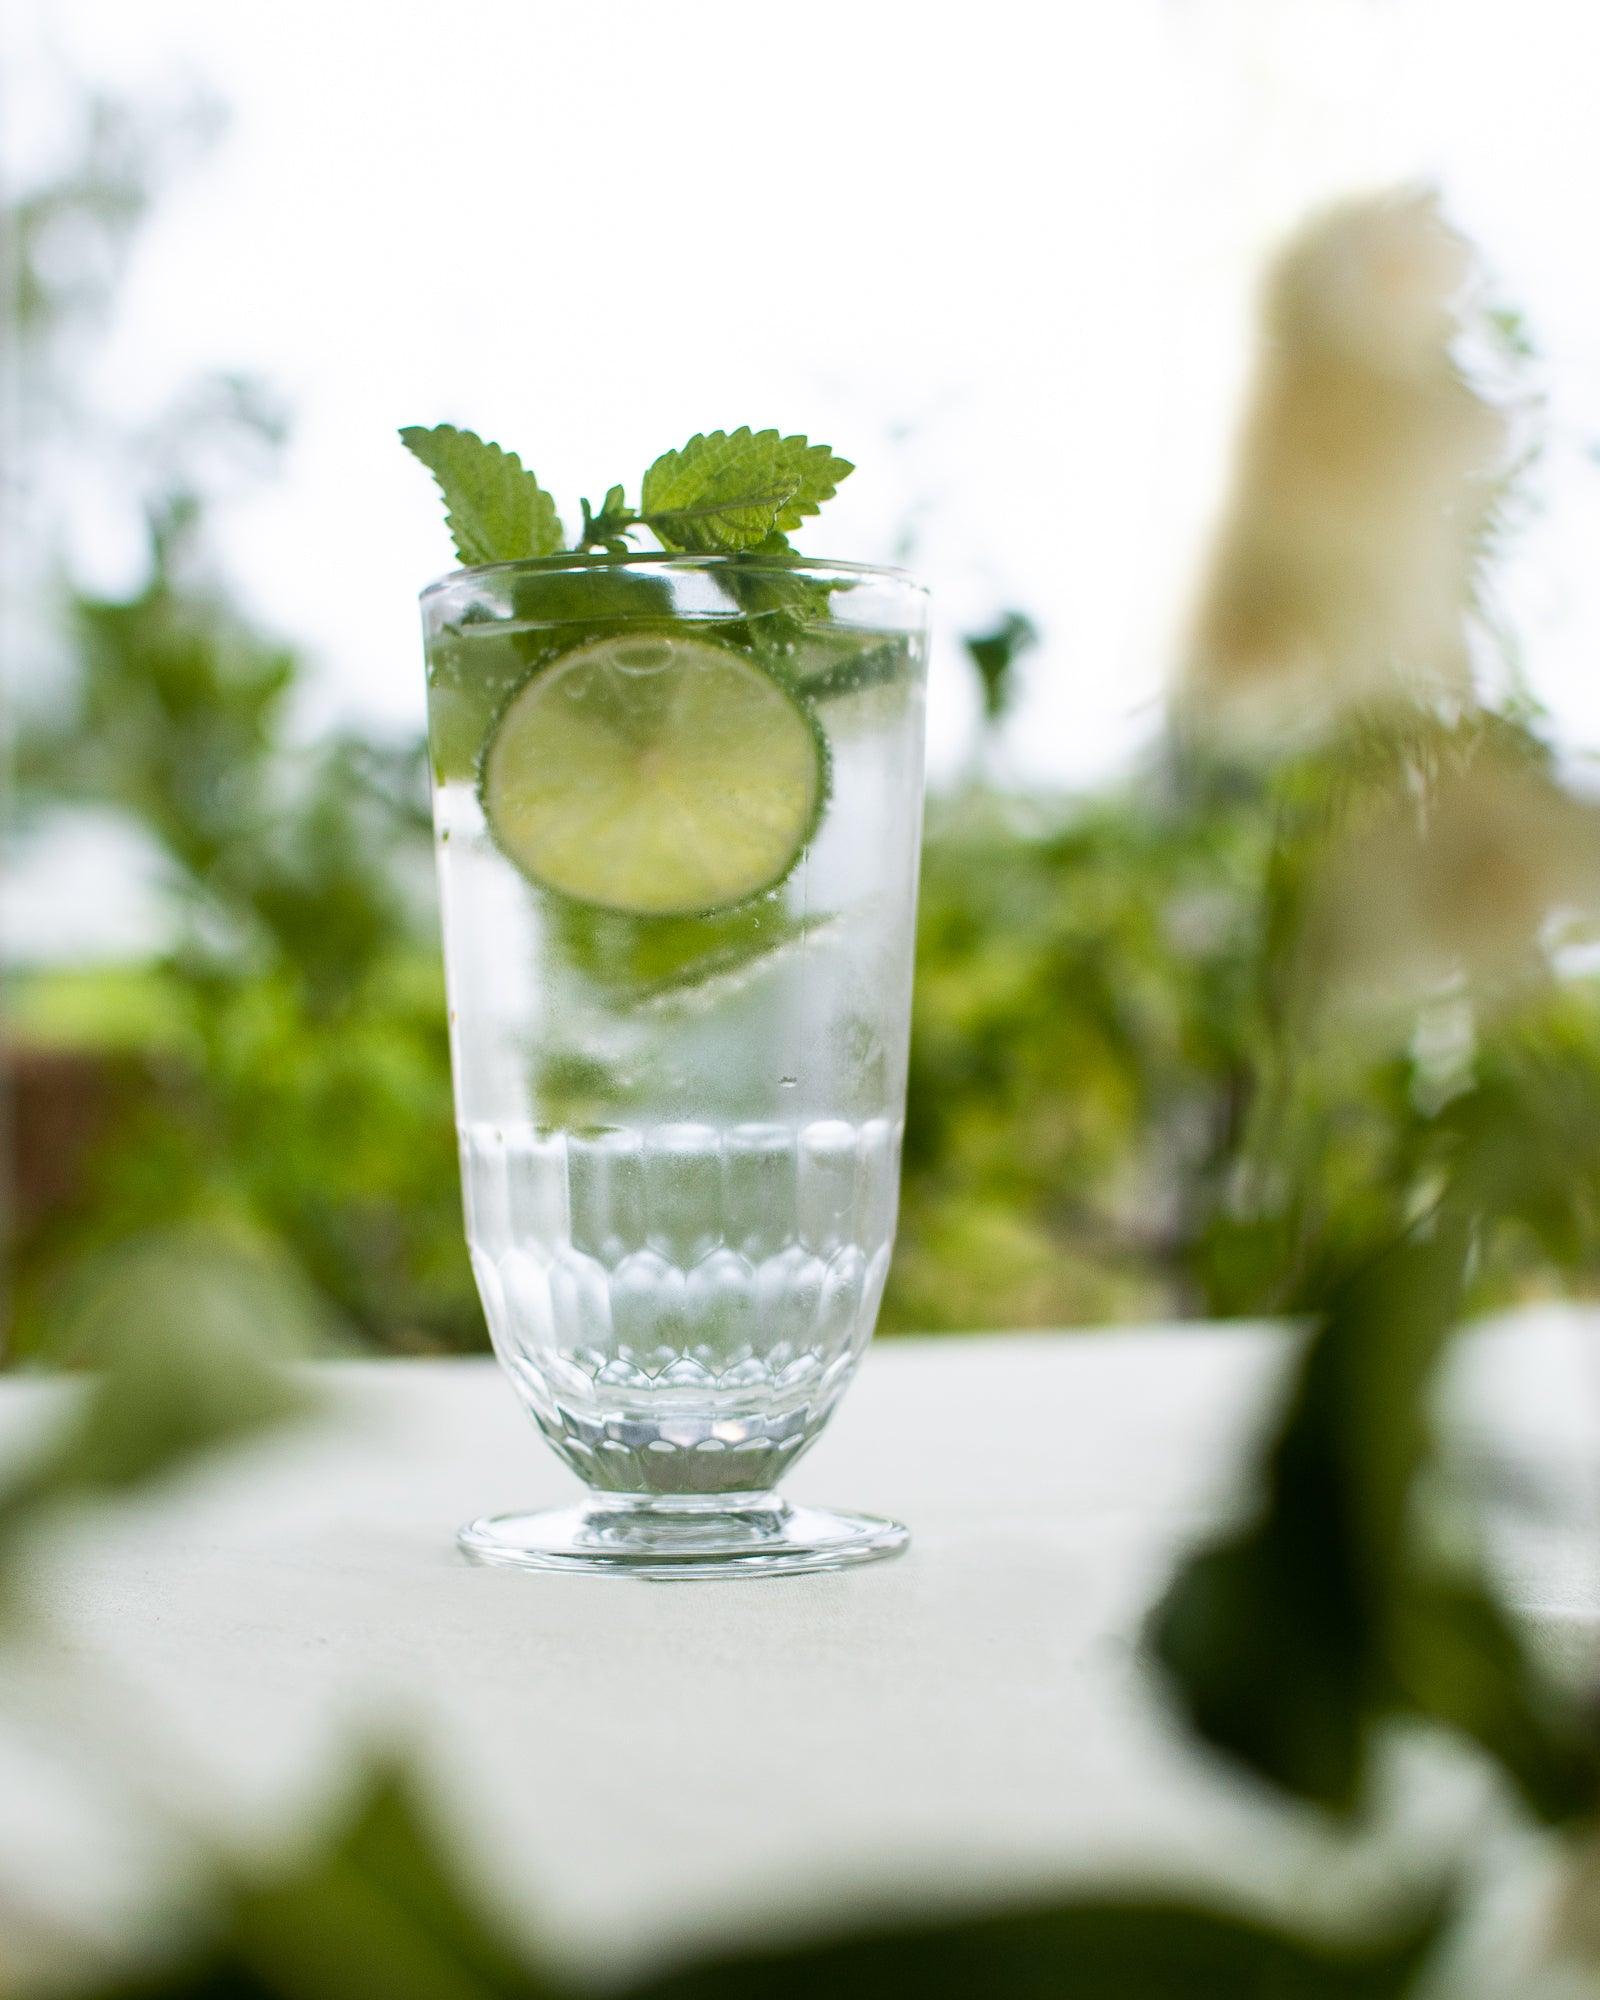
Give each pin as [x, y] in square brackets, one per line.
[637, 1767]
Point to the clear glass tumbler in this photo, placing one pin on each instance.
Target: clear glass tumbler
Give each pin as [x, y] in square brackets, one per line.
[677, 804]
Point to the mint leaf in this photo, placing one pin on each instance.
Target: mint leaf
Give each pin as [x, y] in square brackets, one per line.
[609, 528]
[496, 511]
[730, 490]
[819, 472]
[724, 493]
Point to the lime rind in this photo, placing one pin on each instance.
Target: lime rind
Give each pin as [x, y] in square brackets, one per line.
[691, 795]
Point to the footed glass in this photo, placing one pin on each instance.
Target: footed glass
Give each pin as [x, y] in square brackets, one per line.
[677, 804]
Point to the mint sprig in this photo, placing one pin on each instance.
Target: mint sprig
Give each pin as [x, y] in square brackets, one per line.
[728, 491]
[495, 510]
[609, 529]
[723, 493]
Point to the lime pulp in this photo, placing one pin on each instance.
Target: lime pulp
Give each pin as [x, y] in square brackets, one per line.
[657, 773]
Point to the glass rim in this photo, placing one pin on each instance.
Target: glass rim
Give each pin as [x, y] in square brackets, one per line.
[747, 564]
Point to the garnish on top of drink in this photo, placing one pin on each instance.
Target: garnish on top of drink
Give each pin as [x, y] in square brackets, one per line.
[640, 763]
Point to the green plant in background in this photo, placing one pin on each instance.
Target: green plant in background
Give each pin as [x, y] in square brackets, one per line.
[294, 1084]
[1098, 1111]
[995, 654]
[277, 1073]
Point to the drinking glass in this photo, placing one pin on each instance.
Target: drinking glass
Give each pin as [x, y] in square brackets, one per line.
[679, 1126]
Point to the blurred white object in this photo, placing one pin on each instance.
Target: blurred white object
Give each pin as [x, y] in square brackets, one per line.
[1347, 566]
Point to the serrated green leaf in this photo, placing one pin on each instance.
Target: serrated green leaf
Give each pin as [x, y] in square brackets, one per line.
[819, 475]
[726, 490]
[495, 509]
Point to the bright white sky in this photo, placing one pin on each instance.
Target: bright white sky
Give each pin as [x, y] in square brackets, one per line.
[1001, 256]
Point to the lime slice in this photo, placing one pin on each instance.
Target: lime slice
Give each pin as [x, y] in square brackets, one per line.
[658, 773]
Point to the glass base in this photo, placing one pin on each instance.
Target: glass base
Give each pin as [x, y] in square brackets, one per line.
[729, 1534]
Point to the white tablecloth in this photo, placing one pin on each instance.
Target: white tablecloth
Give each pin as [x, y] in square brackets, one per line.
[637, 1766]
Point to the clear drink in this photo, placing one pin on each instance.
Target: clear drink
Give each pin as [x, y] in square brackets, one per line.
[679, 1104]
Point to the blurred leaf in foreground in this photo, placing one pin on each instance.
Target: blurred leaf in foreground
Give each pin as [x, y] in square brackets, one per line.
[379, 1911]
[1274, 1633]
[376, 1910]
[187, 1336]
[1112, 1950]
[1577, 1929]
[1292, 1639]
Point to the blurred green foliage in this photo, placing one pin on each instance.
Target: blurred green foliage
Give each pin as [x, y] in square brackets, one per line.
[1081, 1038]
[1113, 1073]
[1108, 1081]
[377, 1910]
[995, 653]
[283, 1068]
[1108, 1084]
